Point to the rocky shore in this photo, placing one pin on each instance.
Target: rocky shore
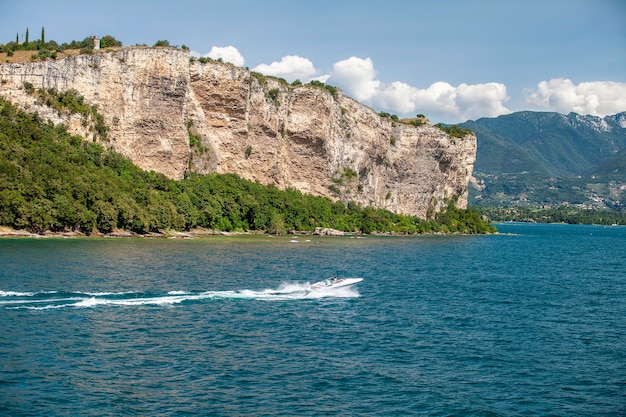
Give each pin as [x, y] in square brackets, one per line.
[164, 234]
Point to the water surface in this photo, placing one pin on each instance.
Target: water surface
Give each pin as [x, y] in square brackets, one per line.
[528, 322]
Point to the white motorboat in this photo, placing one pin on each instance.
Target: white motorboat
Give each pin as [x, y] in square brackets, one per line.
[334, 283]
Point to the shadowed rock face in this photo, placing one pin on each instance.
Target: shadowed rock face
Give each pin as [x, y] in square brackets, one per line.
[155, 100]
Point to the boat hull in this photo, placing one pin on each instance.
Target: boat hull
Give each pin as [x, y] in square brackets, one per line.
[334, 283]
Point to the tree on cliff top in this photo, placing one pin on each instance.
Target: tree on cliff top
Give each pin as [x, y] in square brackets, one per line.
[109, 41]
[41, 44]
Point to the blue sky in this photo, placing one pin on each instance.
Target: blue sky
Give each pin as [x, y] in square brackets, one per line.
[451, 60]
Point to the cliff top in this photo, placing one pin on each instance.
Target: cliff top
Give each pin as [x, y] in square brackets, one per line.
[27, 56]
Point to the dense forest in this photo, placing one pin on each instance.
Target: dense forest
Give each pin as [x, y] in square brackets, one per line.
[53, 181]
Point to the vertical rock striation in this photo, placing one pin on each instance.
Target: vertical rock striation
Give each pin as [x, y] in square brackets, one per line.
[171, 115]
[142, 94]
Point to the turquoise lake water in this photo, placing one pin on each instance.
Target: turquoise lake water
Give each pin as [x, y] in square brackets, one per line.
[530, 322]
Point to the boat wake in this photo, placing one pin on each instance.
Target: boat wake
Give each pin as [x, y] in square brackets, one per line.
[45, 300]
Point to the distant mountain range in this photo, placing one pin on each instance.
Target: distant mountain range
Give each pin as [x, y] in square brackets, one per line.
[539, 158]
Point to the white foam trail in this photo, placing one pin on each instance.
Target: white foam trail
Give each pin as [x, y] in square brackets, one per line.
[47, 300]
[24, 293]
[104, 294]
[48, 307]
[288, 288]
[89, 302]
[342, 292]
[286, 291]
[16, 294]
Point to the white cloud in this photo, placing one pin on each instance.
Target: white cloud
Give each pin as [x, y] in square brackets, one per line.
[356, 76]
[438, 99]
[440, 102]
[481, 100]
[226, 54]
[291, 68]
[321, 78]
[597, 98]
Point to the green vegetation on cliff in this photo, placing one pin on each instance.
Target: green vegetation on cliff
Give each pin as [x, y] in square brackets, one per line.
[454, 130]
[52, 181]
[50, 48]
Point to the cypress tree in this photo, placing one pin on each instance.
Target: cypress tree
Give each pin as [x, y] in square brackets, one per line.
[26, 41]
[17, 38]
[43, 38]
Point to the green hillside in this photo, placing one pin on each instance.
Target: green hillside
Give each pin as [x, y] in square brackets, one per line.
[613, 169]
[535, 158]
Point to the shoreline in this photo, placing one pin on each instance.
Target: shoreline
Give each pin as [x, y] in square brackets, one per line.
[169, 234]
[7, 232]
[165, 234]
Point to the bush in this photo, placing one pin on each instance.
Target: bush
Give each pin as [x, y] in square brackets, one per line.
[28, 87]
[349, 173]
[109, 41]
[454, 130]
[273, 95]
[388, 115]
[332, 90]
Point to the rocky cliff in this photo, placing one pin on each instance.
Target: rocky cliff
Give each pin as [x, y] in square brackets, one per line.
[169, 114]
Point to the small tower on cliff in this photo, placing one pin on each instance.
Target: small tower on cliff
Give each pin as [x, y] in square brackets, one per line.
[96, 42]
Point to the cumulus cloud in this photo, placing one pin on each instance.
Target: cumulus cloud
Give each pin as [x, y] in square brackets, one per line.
[356, 76]
[226, 54]
[441, 101]
[481, 100]
[597, 98]
[291, 68]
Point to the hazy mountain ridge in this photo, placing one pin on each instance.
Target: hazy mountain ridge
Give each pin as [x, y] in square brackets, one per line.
[545, 158]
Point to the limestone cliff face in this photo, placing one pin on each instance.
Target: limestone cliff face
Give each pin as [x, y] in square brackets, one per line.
[155, 100]
[142, 94]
